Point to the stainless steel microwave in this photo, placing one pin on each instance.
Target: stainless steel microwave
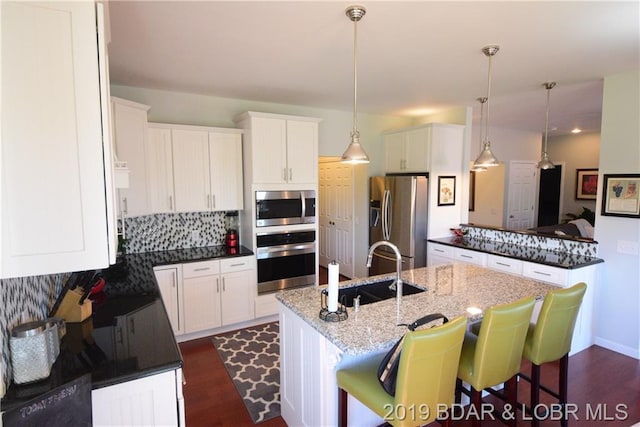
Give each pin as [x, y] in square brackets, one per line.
[285, 207]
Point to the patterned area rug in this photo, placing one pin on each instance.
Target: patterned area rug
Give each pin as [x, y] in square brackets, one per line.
[251, 357]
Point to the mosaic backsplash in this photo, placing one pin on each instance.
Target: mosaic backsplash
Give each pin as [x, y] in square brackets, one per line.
[24, 299]
[531, 240]
[161, 232]
[30, 298]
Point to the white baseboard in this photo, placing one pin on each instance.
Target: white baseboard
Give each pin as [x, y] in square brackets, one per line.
[223, 329]
[618, 348]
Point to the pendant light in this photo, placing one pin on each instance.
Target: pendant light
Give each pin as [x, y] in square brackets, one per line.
[545, 163]
[354, 152]
[482, 101]
[486, 157]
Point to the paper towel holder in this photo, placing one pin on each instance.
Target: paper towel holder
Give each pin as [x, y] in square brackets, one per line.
[332, 316]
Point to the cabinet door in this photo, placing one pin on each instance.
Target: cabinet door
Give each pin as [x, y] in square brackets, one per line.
[160, 170]
[269, 145]
[417, 151]
[225, 160]
[53, 184]
[129, 132]
[191, 170]
[237, 297]
[302, 152]
[394, 149]
[201, 302]
[169, 283]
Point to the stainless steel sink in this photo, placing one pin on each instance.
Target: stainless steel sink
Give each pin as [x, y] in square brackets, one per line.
[374, 292]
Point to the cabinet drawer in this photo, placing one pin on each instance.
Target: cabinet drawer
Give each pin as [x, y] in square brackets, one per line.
[237, 264]
[470, 257]
[200, 268]
[553, 275]
[440, 250]
[507, 265]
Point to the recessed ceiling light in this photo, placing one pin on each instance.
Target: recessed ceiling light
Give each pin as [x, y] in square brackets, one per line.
[576, 130]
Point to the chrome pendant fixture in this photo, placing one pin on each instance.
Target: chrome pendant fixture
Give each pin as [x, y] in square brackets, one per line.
[355, 153]
[486, 157]
[482, 101]
[545, 163]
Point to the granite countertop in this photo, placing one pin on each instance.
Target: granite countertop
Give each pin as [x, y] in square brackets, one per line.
[451, 289]
[131, 295]
[526, 253]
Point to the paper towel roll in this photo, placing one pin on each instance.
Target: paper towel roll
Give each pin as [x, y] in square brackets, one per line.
[332, 299]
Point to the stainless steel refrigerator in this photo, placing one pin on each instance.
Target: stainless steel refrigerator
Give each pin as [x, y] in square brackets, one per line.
[398, 214]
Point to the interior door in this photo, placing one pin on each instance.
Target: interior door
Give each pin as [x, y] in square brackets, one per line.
[549, 199]
[521, 195]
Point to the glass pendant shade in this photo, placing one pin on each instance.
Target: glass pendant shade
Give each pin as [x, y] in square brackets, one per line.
[354, 153]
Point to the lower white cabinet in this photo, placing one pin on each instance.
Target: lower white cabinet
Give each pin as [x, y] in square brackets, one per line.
[208, 294]
[583, 333]
[156, 400]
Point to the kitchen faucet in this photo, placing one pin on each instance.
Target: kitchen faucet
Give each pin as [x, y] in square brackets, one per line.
[398, 282]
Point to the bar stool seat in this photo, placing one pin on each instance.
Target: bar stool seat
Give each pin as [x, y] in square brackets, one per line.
[493, 356]
[426, 378]
[549, 340]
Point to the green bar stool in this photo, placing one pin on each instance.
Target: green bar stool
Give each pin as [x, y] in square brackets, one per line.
[493, 356]
[426, 378]
[549, 340]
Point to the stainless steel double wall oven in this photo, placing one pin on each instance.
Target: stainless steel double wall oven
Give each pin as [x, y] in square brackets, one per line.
[286, 258]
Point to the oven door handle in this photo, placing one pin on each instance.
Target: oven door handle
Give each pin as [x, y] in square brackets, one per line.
[303, 204]
[285, 250]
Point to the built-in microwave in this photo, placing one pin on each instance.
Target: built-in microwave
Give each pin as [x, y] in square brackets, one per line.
[285, 207]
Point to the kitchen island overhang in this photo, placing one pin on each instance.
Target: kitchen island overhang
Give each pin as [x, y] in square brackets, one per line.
[311, 349]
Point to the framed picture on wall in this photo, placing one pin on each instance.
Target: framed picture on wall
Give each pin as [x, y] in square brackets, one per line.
[446, 190]
[586, 184]
[472, 191]
[621, 195]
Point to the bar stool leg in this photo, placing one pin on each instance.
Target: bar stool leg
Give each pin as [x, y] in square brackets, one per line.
[342, 407]
[563, 388]
[535, 393]
[476, 403]
[511, 391]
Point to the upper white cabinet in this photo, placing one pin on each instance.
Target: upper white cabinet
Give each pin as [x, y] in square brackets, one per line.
[194, 168]
[129, 134]
[55, 163]
[280, 149]
[428, 148]
[160, 169]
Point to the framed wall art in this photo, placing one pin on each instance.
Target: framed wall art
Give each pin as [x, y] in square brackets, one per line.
[586, 184]
[446, 190]
[621, 196]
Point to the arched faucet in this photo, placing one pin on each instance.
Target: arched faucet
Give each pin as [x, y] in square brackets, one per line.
[398, 281]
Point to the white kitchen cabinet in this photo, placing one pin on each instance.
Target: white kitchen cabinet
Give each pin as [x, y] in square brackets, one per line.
[160, 169]
[208, 294]
[280, 149]
[225, 165]
[191, 170]
[470, 257]
[129, 134]
[438, 254]
[169, 280]
[195, 168]
[501, 263]
[56, 178]
[156, 400]
[407, 151]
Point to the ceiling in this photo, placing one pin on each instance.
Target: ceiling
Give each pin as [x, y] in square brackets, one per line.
[414, 58]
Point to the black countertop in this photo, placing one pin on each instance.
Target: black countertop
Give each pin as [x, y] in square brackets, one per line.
[128, 335]
[526, 253]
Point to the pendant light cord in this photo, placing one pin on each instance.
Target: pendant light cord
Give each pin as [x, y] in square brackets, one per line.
[546, 125]
[486, 126]
[355, 132]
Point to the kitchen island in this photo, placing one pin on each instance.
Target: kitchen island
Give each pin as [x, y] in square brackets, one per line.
[311, 349]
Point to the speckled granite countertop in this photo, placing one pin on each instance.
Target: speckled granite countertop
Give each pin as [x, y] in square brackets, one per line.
[525, 253]
[451, 290]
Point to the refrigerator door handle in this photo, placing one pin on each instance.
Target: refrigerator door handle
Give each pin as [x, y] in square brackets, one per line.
[386, 215]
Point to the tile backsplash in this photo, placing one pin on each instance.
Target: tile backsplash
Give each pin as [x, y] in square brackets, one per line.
[30, 298]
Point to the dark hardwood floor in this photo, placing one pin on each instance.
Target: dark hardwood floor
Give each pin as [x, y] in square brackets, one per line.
[603, 385]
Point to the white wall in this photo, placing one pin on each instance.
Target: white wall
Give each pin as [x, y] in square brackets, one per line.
[618, 293]
[580, 151]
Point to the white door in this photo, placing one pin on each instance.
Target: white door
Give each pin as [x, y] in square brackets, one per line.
[191, 170]
[521, 195]
[160, 170]
[225, 162]
[324, 221]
